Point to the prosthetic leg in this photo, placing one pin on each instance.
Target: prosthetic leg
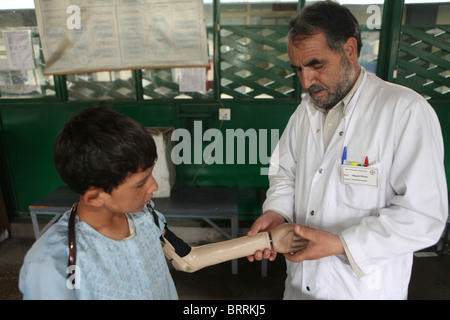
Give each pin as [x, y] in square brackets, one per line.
[190, 259]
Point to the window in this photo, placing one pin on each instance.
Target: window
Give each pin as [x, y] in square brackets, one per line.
[117, 85]
[423, 56]
[165, 83]
[251, 50]
[24, 82]
[253, 60]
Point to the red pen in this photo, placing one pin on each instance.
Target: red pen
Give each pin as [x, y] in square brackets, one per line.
[366, 162]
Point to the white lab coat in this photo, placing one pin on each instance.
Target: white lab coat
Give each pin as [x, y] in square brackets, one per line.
[381, 226]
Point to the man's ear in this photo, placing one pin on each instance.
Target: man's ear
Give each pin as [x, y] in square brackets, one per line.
[94, 197]
[351, 50]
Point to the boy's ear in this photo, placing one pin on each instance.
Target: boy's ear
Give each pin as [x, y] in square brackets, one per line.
[93, 197]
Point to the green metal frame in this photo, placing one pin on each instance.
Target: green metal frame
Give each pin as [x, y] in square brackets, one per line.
[390, 38]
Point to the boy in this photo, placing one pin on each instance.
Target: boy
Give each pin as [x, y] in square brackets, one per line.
[108, 159]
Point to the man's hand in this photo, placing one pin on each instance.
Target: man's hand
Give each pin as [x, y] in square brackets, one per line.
[285, 240]
[267, 221]
[321, 244]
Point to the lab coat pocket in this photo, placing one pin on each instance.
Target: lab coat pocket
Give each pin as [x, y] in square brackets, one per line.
[360, 191]
[345, 284]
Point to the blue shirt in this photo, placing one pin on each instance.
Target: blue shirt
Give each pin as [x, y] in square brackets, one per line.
[133, 268]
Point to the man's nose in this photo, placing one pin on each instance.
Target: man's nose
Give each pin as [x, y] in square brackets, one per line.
[307, 78]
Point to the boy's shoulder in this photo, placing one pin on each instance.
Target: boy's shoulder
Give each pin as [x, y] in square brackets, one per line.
[44, 271]
[53, 243]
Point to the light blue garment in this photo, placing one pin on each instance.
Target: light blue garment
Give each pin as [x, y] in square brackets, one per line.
[134, 268]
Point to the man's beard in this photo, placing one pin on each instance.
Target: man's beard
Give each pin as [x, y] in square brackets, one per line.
[342, 88]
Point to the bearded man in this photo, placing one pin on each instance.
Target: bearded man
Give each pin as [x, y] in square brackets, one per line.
[359, 169]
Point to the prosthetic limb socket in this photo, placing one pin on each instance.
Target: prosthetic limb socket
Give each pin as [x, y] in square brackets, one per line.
[191, 259]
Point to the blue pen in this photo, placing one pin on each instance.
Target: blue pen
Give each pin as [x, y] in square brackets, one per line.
[344, 155]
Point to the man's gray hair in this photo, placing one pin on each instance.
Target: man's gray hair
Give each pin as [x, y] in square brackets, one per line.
[335, 21]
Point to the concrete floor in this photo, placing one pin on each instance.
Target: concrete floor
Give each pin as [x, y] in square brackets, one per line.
[430, 279]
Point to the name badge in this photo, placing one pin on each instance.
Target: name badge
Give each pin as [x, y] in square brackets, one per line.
[359, 175]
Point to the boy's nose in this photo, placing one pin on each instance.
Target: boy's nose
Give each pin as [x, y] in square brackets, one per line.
[153, 185]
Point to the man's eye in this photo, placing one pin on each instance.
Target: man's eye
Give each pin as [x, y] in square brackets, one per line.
[318, 67]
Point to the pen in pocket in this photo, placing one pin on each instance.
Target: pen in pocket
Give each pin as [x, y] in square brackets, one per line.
[344, 155]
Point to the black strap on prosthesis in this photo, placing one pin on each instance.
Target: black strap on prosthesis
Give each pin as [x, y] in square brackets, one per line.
[181, 248]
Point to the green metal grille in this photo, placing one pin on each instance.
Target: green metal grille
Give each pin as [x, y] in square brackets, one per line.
[164, 84]
[254, 62]
[424, 61]
[116, 85]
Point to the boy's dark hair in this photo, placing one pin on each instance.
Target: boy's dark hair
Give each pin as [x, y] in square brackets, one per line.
[99, 147]
[336, 21]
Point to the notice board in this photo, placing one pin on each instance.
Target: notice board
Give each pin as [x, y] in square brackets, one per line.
[99, 35]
